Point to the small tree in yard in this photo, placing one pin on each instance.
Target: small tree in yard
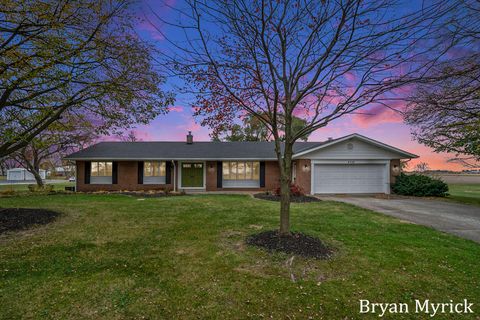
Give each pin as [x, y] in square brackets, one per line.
[60, 139]
[315, 60]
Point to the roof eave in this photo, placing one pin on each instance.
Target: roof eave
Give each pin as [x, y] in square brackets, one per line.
[406, 155]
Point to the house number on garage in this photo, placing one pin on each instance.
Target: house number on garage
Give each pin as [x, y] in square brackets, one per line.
[350, 162]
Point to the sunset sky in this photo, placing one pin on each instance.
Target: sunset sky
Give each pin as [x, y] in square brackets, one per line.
[382, 124]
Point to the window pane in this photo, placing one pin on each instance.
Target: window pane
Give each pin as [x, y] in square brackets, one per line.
[147, 169]
[163, 170]
[155, 169]
[94, 171]
[108, 169]
[101, 169]
[256, 170]
[226, 170]
[248, 171]
[233, 170]
[240, 170]
[186, 165]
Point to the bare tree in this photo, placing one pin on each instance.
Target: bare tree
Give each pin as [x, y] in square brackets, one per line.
[73, 55]
[58, 140]
[445, 113]
[422, 167]
[317, 60]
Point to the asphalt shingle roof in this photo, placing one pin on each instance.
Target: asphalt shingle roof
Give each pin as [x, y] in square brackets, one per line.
[181, 150]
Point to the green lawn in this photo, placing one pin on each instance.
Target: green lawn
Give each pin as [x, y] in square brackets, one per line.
[24, 187]
[114, 256]
[465, 193]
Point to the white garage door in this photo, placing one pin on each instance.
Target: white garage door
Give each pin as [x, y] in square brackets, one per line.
[349, 178]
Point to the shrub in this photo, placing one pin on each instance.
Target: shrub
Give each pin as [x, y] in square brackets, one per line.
[36, 188]
[295, 191]
[420, 186]
[167, 191]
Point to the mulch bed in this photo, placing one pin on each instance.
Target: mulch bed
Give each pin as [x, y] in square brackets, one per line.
[296, 243]
[296, 199]
[12, 219]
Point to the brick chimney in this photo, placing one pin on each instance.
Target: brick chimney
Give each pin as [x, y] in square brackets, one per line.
[189, 137]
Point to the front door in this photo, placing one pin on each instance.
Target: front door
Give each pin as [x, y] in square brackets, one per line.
[192, 175]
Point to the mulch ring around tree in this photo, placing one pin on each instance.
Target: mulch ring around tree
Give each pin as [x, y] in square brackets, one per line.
[296, 199]
[12, 219]
[296, 243]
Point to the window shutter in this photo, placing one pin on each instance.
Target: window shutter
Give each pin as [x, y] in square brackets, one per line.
[114, 172]
[219, 174]
[168, 172]
[262, 174]
[140, 172]
[88, 170]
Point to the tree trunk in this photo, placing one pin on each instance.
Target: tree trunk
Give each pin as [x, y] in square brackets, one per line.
[285, 181]
[38, 178]
[284, 207]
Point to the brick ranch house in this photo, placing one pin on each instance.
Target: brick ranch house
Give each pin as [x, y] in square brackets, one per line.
[350, 164]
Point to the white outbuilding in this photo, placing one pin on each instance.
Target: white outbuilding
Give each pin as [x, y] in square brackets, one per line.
[22, 174]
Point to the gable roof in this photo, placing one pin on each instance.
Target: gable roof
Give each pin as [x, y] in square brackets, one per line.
[379, 144]
[162, 150]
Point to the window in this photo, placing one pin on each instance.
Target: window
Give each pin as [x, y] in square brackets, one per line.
[241, 170]
[101, 169]
[154, 169]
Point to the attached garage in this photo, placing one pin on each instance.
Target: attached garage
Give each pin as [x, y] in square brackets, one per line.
[352, 165]
[351, 178]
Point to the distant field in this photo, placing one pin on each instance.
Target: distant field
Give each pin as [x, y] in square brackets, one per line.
[465, 193]
[451, 178]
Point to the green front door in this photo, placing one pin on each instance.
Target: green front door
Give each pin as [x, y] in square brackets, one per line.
[192, 174]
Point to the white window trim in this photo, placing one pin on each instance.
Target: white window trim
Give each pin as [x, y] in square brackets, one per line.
[180, 175]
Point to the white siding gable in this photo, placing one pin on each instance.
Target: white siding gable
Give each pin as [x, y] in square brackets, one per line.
[353, 148]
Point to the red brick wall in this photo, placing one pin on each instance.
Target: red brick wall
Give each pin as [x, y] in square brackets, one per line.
[127, 179]
[303, 174]
[393, 175]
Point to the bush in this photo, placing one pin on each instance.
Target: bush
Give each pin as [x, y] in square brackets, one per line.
[420, 186]
[36, 188]
[295, 191]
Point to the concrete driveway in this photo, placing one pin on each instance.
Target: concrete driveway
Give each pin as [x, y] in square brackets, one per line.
[458, 219]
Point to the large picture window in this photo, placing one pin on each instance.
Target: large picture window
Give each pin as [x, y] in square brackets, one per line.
[241, 170]
[101, 169]
[154, 169]
[154, 172]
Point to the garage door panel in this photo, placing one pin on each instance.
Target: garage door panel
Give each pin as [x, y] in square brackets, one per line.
[349, 178]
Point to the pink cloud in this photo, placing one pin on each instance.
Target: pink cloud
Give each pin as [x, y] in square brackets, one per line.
[350, 76]
[379, 114]
[176, 109]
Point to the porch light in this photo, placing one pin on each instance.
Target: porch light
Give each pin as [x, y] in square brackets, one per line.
[306, 168]
[211, 168]
[396, 169]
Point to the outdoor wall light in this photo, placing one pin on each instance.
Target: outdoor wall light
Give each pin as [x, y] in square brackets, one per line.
[306, 168]
[396, 169]
[211, 168]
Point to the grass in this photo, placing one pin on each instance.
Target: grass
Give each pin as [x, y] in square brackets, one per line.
[465, 193]
[114, 256]
[24, 187]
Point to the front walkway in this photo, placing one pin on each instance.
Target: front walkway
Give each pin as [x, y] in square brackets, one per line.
[458, 219]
